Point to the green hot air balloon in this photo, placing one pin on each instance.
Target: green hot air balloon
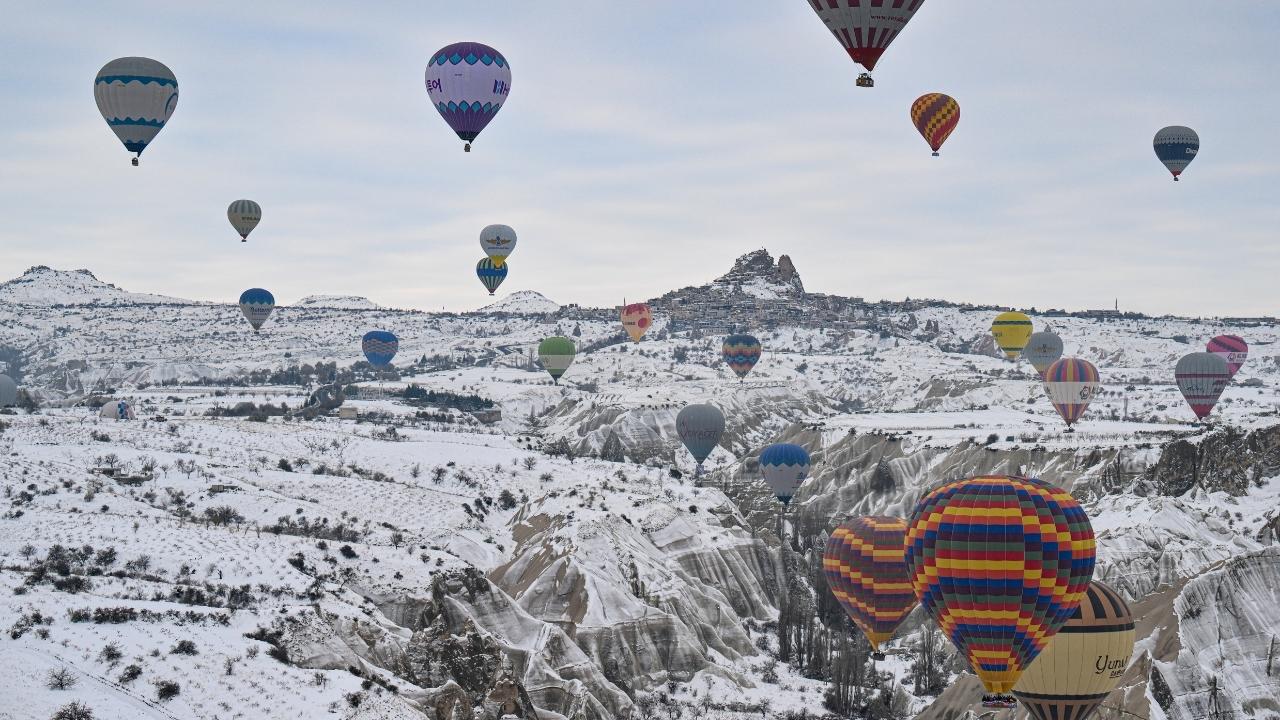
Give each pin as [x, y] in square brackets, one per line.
[556, 355]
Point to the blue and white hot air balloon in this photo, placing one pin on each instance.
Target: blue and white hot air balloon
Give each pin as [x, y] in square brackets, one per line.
[136, 97]
[379, 347]
[257, 304]
[1176, 146]
[785, 467]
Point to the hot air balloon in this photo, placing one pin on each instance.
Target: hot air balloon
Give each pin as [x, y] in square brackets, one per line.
[935, 116]
[740, 353]
[257, 304]
[1072, 384]
[136, 97]
[468, 82]
[1176, 146]
[498, 241]
[1000, 563]
[785, 467]
[1231, 348]
[865, 29]
[8, 391]
[491, 274]
[1202, 377]
[700, 428]
[556, 355]
[379, 347]
[636, 319]
[117, 410]
[1043, 349]
[866, 569]
[244, 216]
[1012, 330]
[1083, 663]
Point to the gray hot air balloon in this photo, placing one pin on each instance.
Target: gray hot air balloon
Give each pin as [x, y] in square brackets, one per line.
[244, 216]
[1043, 349]
[700, 428]
[136, 97]
[9, 391]
[1202, 377]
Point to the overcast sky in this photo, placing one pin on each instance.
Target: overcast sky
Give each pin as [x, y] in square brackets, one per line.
[645, 145]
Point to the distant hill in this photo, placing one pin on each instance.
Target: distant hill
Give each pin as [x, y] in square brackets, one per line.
[337, 302]
[43, 285]
[523, 302]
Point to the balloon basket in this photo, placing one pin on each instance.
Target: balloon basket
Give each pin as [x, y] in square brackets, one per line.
[936, 153]
[877, 656]
[865, 80]
[1003, 702]
[1175, 177]
[134, 161]
[466, 148]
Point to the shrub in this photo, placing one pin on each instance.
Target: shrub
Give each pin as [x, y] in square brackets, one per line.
[184, 647]
[166, 689]
[506, 500]
[223, 515]
[61, 679]
[131, 673]
[110, 653]
[347, 552]
[73, 711]
[285, 465]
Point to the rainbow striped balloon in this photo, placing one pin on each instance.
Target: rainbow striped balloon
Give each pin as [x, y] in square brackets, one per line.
[866, 570]
[1001, 563]
[935, 116]
[1072, 384]
[740, 353]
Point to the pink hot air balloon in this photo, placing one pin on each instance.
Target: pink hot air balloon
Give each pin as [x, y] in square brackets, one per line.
[1231, 348]
[468, 82]
[1202, 377]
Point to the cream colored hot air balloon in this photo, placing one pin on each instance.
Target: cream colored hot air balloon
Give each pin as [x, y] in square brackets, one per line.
[244, 216]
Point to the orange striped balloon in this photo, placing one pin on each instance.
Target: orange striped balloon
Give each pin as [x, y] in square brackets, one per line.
[866, 568]
[935, 116]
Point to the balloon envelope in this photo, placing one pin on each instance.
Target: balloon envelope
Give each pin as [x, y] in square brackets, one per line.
[1000, 563]
[379, 347]
[1176, 146]
[636, 319]
[865, 29]
[136, 97]
[1072, 384]
[8, 391]
[244, 216]
[935, 115]
[1043, 349]
[1084, 662]
[491, 275]
[498, 241]
[468, 82]
[556, 355]
[741, 353]
[866, 568]
[1011, 330]
[257, 304]
[700, 428]
[117, 410]
[785, 467]
[1202, 377]
[1231, 348]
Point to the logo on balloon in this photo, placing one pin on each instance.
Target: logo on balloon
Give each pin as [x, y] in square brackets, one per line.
[1114, 668]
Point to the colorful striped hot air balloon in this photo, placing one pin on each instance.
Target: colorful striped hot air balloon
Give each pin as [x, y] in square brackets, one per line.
[700, 428]
[379, 347]
[865, 29]
[1000, 563]
[741, 353]
[636, 319]
[1176, 146]
[1083, 662]
[866, 568]
[491, 275]
[1043, 349]
[1012, 331]
[257, 304]
[136, 97]
[468, 82]
[1201, 377]
[935, 116]
[244, 216]
[556, 355]
[1072, 384]
[785, 467]
[1231, 348]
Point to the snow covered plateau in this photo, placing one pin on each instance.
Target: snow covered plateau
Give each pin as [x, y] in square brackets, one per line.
[476, 542]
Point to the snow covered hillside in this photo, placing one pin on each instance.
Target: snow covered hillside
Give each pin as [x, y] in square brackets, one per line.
[478, 542]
